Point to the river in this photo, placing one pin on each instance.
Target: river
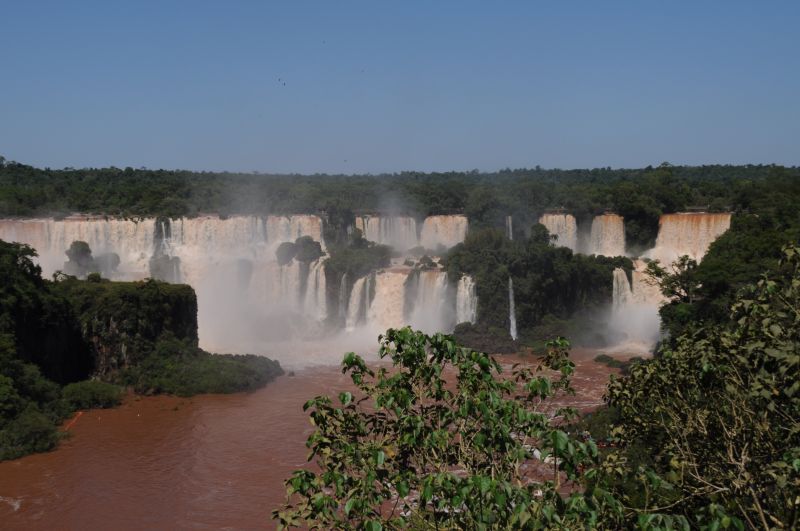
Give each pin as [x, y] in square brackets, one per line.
[206, 462]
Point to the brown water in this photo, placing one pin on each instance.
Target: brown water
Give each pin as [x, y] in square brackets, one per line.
[207, 462]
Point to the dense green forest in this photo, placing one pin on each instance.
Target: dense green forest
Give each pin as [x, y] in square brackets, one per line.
[62, 332]
[640, 195]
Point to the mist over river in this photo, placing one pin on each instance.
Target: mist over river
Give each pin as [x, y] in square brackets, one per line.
[206, 462]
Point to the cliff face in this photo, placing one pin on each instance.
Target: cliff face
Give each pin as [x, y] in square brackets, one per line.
[122, 321]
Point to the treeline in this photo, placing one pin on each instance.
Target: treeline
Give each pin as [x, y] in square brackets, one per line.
[640, 195]
[93, 337]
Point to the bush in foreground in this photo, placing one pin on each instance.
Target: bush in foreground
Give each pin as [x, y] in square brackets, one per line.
[442, 441]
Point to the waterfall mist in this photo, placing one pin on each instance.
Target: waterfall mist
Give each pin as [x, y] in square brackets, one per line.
[293, 310]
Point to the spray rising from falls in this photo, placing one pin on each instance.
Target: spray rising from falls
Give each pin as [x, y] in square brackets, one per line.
[564, 227]
[274, 300]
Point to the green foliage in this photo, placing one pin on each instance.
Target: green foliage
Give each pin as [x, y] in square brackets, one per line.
[123, 321]
[30, 431]
[30, 406]
[40, 322]
[180, 368]
[142, 334]
[440, 441]
[720, 412]
[551, 283]
[92, 394]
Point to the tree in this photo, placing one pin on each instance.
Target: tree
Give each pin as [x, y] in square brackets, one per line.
[720, 412]
[80, 261]
[443, 440]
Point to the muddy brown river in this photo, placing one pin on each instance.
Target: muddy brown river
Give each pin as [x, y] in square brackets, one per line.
[207, 462]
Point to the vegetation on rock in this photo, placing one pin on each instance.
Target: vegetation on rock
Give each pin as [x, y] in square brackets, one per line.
[551, 284]
[140, 334]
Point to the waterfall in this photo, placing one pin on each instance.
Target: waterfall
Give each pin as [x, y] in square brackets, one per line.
[342, 313]
[354, 307]
[400, 232]
[432, 304]
[281, 229]
[634, 320]
[387, 308]
[688, 234]
[443, 231]
[315, 298]
[564, 227]
[245, 297]
[608, 236]
[622, 293]
[512, 314]
[132, 240]
[276, 302]
[509, 228]
[466, 300]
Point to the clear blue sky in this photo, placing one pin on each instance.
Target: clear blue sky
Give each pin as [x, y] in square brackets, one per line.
[390, 86]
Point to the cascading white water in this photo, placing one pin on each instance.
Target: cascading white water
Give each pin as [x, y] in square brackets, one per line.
[315, 296]
[276, 301]
[564, 227]
[432, 304]
[342, 313]
[608, 236]
[443, 231]
[398, 231]
[636, 303]
[466, 300]
[512, 314]
[634, 317]
[289, 228]
[622, 293]
[132, 240]
[688, 234]
[387, 309]
[355, 305]
[244, 294]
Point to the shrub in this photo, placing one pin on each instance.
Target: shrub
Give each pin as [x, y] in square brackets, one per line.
[92, 394]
